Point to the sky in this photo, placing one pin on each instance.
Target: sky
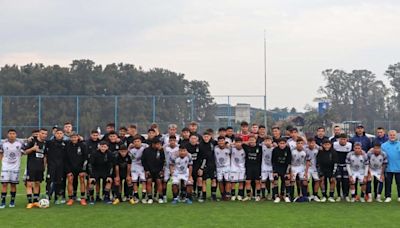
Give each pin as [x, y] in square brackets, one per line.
[219, 41]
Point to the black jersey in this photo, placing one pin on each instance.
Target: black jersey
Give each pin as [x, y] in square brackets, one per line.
[153, 160]
[281, 159]
[76, 157]
[199, 159]
[114, 147]
[55, 151]
[207, 149]
[36, 158]
[122, 163]
[253, 156]
[92, 146]
[327, 160]
[101, 164]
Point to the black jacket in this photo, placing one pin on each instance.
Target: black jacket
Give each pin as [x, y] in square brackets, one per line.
[153, 160]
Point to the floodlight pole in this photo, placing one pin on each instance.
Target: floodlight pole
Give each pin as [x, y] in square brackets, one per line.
[265, 82]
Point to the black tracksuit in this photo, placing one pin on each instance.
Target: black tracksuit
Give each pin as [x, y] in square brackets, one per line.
[76, 158]
[153, 161]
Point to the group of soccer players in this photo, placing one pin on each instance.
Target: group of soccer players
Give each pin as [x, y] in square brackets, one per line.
[249, 165]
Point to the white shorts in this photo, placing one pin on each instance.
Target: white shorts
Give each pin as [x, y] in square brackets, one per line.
[298, 171]
[10, 176]
[177, 178]
[223, 174]
[358, 175]
[267, 175]
[237, 176]
[313, 174]
[376, 174]
[138, 175]
[167, 175]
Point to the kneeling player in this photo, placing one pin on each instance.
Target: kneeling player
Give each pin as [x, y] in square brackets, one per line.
[222, 155]
[377, 165]
[266, 167]
[10, 156]
[181, 171]
[357, 166]
[122, 172]
[238, 169]
[100, 169]
[281, 160]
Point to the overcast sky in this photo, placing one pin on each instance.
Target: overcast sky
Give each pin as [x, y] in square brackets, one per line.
[220, 41]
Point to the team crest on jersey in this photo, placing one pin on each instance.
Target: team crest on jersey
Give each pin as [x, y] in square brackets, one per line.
[79, 151]
[257, 151]
[221, 160]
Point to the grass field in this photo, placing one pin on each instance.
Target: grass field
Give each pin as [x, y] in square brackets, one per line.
[209, 214]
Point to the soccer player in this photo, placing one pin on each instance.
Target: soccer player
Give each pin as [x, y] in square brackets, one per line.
[206, 148]
[185, 135]
[320, 136]
[266, 167]
[153, 161]
[76, 161]
[122, 132]
[137, 171]
[357, 167]
[222, 155]
[281, 160]
[342, 146]
[327, 164]
[36, 150]
[171, 150]
[238, 169]
[312, 152]
[100, 169]
[132, 131]
[230, 133]
[377, 165]
[199, 163]
[55, 166]
[181, 168]
[336, 134]
[172, 129]
[110, 127]
[122, 173]
[244, 132]
[298, 169]
[253, 167]
[10, 155]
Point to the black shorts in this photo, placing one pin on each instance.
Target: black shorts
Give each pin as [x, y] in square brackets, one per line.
[55, 174]
[34, 175]
[210, 173]
[154, 176]
[76, 172]
[342, 172]
[253, 173]
[326, 174]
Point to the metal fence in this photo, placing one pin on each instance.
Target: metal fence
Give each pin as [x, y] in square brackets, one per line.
[26, 113]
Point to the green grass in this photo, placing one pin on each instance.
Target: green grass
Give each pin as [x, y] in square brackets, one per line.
[209, 214]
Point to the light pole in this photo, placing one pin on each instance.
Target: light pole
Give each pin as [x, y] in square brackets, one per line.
[265, 82]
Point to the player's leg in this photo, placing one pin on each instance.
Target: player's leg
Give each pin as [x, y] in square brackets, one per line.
[275, 184]
[149, 189]
[117, 191]
[248, 189]
[159, 183]
[345, 184]
[91, 186]
[332, 184]
[36, 193]
[264, 177]
[388, 186]
[13, 193]
[70, 187]
[363, 188]
[293, 181]
[379, 182]
[353, 188]
[214, 188]
[199, 186]
[221, 186]
[368, 185]
[189, 192]
[82, 178]
[258, 189]
[316, 187]
[3, 195]
[107, 189]
[228, 187]
[339, 182]
[287, 179]
[175, 190]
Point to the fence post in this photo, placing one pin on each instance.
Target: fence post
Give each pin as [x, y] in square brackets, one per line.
[1, 117]
[39, 111]
[192, 109]
[229, 111]
[154, 109]
[116, 111]
[77, 114]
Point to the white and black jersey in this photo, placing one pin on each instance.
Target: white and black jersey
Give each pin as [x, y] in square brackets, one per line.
[342, 151]
[266, 164]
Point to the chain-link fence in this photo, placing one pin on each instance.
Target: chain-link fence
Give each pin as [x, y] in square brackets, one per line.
[27, 113]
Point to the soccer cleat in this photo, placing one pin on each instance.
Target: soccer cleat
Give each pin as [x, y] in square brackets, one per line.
[174, 201]
[36, 204]
[311, 198]
[12, 204]
[362, 199]
[269, 197]
[62, 201]
[258, 199]
[331, 199]
[352, 200]
[108, 201]
[83, 202]
[132, 201]
[57, 202]
[70, 202]
[200, 200]
[124, 199]
[91, 202]
[2, 206]
[29, 206]
[188, 201]
[378, 199]
[348, 199]
[369, 200]
[233, 198]
[388, 200]
[338, 199]
[239, 198]
[277, 200]
[316, 199]
[165, 199]
[323, 199]
[150, 201]
[144, 201]
[116, 201]
[160, 201]
[296, 198]
[246, 198]
[398, 199]
[287, 200]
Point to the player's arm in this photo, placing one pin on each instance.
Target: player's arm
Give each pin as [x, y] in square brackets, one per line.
[32, 147]
[1, 152]
[348, 162]
[190, 171]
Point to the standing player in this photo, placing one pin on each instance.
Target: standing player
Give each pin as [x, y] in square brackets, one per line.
[199, 163]
[76, 165]
[312, 152]
[238, 169]
[377, 165]
[253, 167]
[171, 151]
[298, 169]
[357, 166]
[222, 155]
[153, 160]
[137, 171]
[206, 148]
[122, 173]
[281, 160]
[327, 165]
[36, 150]
[342, 146]
[266, 167]
[100, 169]
[181, 171]
[10, 156]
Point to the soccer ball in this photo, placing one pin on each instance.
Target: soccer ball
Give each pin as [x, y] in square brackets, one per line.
[44, 203]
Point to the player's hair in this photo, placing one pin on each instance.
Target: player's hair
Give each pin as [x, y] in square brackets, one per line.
[357, 144]
[221, 129]
[326, 141]
[172, 137]
[244, 124]
[377, 144]
[380, 128]
[206, 133]
[294, 129]
[182, 147]
[112, 133]
[310, 139]
[252, 136]
[132, 126]
[343, 136]
[185, 129]
[154, 125]
[221, 138]
[193, 135]
[35, 131]
[103, 143]
[172, 126]
[11, 130]
[282, 140]
[267, 137]
[67, 123]
[254, 124]
[320, 128]
[123, 128]
[211, 131]
[275, 127]
[43, 129]
[299, 140]
[261, 126]
[151, 129]
[238, 139]
[58, 129]
[137, 137]
[193, 123]
[94, 131]
[111, 125]
[336, 126]
[229, 128]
